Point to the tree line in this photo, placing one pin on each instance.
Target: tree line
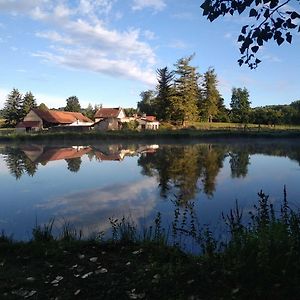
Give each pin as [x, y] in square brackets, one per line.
[184, 95]
[17, 106]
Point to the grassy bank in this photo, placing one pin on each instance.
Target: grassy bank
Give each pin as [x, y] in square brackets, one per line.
[260, 260]
[153, 135]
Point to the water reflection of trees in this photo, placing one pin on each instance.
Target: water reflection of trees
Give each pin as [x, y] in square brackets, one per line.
[18, 163]
[183, 170]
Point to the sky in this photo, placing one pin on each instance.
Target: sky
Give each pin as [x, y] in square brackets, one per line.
[107, 51]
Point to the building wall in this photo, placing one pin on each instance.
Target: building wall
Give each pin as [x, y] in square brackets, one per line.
[108, 124]
[144, 125]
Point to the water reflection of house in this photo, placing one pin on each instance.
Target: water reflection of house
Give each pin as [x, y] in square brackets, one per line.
[116, 156]
[38, 119]
[39, 154]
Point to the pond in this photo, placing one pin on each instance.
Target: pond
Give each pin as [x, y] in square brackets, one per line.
[85, 185]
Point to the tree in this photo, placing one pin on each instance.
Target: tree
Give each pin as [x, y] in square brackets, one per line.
[89, 111]
[240, 105]
[148, 104]
[165, 92]
[184, 102]
[272, 19]
[28, 104]
[12, 108]
[73, 104]
[223, 112]
[74, 164]
[43, 106]
[130, 111]
[210, 100]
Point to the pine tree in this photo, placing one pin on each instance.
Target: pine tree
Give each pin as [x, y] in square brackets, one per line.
[12, 108]
[240, 105]
[28, 104]
[209, 105]
[183, 106]
[165, 92]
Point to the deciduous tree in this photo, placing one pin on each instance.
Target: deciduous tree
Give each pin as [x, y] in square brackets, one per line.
[240, 105]
[73, 104]
[268, 20]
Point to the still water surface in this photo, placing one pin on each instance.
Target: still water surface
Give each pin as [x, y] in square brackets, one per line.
[86, 184]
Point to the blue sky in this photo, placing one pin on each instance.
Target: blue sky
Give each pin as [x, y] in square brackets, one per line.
[106, 51]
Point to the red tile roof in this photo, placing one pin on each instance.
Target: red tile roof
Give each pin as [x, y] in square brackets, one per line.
[61, 117]
[62, 153]
[26, 124]
[108, 112]
[150, 118]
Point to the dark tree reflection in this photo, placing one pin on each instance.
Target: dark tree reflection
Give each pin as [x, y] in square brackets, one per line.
[182, 171]
[18, 163]
[239, 162]
[74, 164]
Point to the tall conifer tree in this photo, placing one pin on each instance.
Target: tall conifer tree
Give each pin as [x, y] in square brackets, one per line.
[165, 91]
[210, 100]
[184, 102]
[28, 104]
[12, 108]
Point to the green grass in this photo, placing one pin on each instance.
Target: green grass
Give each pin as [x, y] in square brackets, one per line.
[259, 259]
[161, 134]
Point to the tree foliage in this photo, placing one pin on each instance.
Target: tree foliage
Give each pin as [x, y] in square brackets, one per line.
[184, 102]
[12, 108]
[268, 20]
[148, 103]
[210, 100]
[28, 104]
[73, 104]
[240, 105]
[165, 92]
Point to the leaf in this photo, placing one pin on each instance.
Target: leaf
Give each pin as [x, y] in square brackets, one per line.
[267, 13]
[253, 13]
[260, 41]
[240, 61]
[244, 29]
[289, 38]
[295, 15]
[254, 49]
[280, 40]
[257, 61]
[274, 3]
[241, 38]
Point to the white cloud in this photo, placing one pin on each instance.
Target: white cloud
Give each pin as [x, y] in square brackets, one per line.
[55, 37]
[86, 43]
[155, 4]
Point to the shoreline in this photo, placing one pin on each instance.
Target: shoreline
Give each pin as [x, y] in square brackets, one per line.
[183, 134]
